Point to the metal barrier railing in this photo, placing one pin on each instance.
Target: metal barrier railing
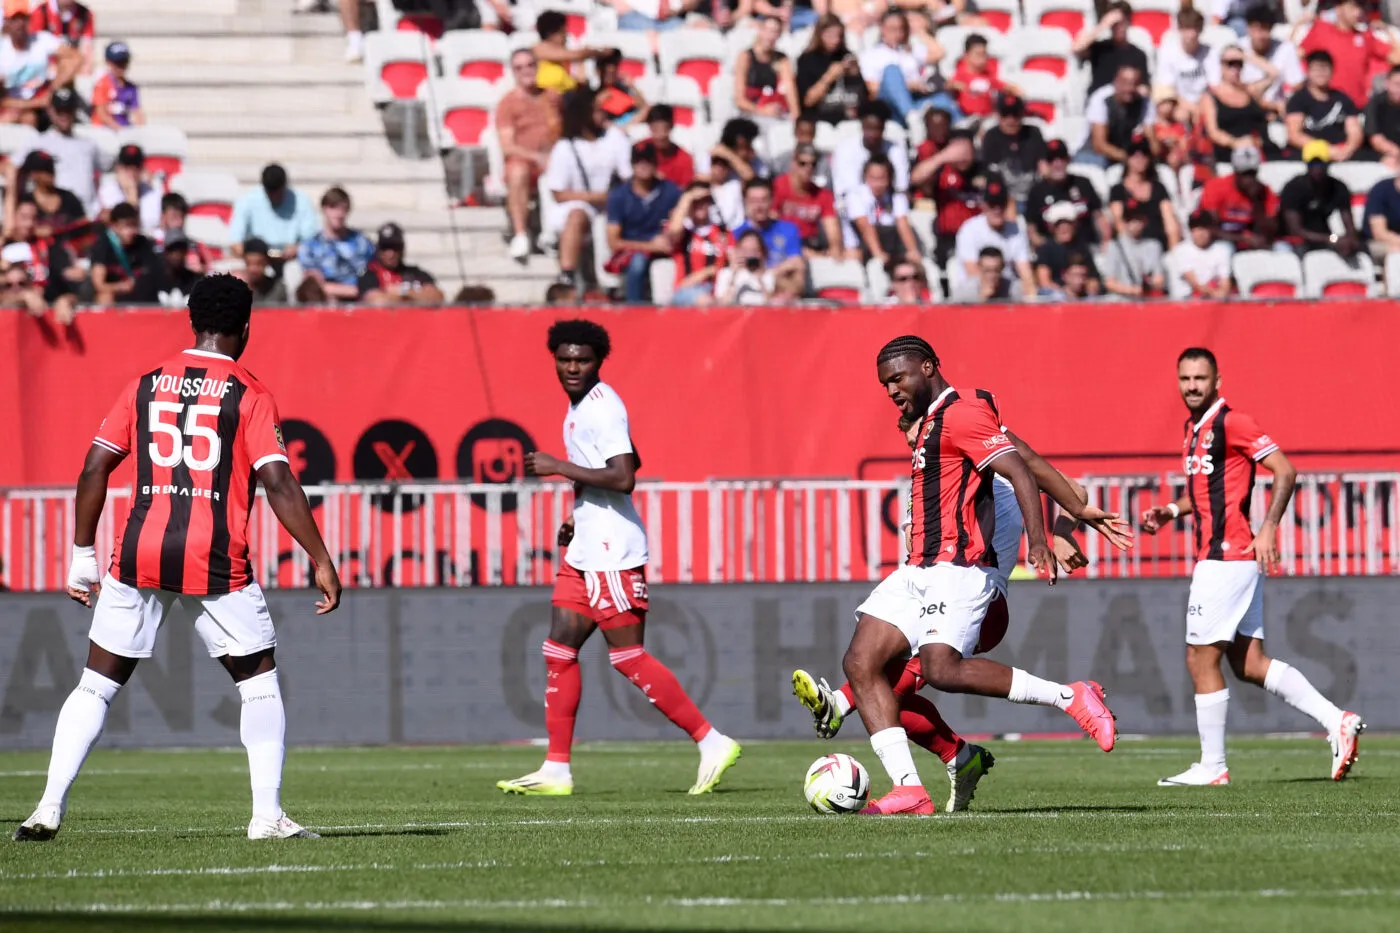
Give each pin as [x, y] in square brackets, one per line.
[721, 531]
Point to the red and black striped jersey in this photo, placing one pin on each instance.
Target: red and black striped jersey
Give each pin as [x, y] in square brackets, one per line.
[1222, 449]
[952, 508]
[200, 426]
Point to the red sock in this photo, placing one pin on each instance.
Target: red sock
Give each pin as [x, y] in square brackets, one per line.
[904, 680]
[661, 687]
[926, 728]
[563, 684]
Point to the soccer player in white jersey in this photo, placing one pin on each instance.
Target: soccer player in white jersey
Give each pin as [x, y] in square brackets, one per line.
[602, 580]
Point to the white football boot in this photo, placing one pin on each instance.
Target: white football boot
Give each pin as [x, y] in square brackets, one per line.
[1198, 775]
[970, 766]
[284, 827]
[1345, 741]
[41, 826]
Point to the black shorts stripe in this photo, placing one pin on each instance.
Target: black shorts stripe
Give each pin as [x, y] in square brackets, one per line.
[220, 562]
[140, 501]
[174, 543]
[1215, 486]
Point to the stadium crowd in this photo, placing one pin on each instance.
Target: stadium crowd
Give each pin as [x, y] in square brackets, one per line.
[897, 152]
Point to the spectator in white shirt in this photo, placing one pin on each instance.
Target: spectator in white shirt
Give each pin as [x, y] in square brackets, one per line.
[1117, 113]
[901, 73]
[994, 228]
[78, 159]
[1201, 262]
[1261, 52]
[582, 166]
[877, 218]
[746, 280]
[126, 185]
[1181, 66]
[32, 66]
[849, 158]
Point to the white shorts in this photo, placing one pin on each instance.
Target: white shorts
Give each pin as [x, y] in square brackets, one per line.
[126, 619]
[939, 605]
[558, 214]
[1226, 601]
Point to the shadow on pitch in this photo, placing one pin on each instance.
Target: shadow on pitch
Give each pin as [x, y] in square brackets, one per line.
[405, 831]
[1086, 808]
[59, 922]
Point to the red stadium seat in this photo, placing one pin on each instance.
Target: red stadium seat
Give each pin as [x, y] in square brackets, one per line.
[1273, 290]
[396, 65]
[1156, 22]
[209, 194]
[1053, 63]
[1344, 290]
[474, 53]
[465, 108]
[695, 54]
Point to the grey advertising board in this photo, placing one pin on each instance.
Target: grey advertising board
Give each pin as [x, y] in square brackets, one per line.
[449, 666]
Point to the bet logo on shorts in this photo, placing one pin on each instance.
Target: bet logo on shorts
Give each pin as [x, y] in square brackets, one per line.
[933, 609]
[493, 451]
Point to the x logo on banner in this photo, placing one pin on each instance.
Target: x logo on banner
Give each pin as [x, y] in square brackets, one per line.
[394, 466]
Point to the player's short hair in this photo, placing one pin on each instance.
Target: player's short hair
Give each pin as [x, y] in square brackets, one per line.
[908, 345]
[124, 211]
[220, 304]
[1198, 353]
[580, 332]
[174, 200]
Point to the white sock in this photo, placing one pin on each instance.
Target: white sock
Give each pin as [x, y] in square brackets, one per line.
[892, 747]
[79, 725]
[263, 728]
[1288, 684]
[838, 700]
[712, 742]
[355, 37]
[557, 771]
[1211, 709]
[1028, 688]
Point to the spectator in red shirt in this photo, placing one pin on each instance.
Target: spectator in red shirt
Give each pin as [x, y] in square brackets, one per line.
[1247, 210]
[70, 21]
[1354, 50]
[702, 246]
[798, 198]
[975, 80]
[673, 163]
[954, 180]
[938, 128]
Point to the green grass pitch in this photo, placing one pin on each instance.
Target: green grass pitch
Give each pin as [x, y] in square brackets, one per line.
[1061, 838]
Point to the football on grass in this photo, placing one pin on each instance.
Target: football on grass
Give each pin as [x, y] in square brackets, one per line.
[837, 784]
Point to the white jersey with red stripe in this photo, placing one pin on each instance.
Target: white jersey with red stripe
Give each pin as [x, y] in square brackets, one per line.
[608, 532]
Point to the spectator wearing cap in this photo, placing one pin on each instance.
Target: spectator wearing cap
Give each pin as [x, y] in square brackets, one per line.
[1141, 185]
[71, 21]
[1056, 184]
[701, 246]
[1381, 221]
[1382, 122]
[48, 266]
[32, 64]
[275, 213]
[1052, 257]
[782, 242]
[990, 284]
[976, 81]
[116, 101]
[1354, 49]
[955, 182]
[168, 280]
[637, 214]
[1107, 49]
[120, 257]
[811, 208]
[901, 73]
[1230, 112]
[388, 280]
[1014, 149]
[877, 219]
[77, 161]
[1308, 202]
[337, 255]
[1181, 65]
[1131, 263]
[1202, 262]
[850, 155]
[269, 289]
[1243, 205]
[673, 163]
[1117, 113]
[1271, 68]
[127, 184]
[59, 213]
[1319, 111]
[527, 125]
[993, 227]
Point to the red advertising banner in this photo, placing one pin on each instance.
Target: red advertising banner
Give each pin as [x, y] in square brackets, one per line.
[400, 394]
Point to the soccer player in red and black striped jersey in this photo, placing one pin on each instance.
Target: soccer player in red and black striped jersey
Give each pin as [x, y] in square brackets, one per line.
[203, 432]
[1223, 450]
[934, 605]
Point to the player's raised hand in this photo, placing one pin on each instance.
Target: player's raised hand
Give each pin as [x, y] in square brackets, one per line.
[1264, 547]
[1111, 525]
[1067, 553]
[328, 582]
[539, 463]
[1155, 518]
[1040, 558]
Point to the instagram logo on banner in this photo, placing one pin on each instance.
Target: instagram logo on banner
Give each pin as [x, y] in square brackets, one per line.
[498, 460]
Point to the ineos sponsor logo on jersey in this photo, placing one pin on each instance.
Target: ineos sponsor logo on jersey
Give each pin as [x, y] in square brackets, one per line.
[995, 441]
[919, 459]
[185, 386]
[1203, 465]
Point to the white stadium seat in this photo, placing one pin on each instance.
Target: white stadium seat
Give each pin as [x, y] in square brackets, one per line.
[1360, 177]
[663, 280]
[396, 65]
[1265, 274]
[208, 193]
[842, 280]
[166, 147]
[1034, 49]
[1392, 275]
[1067, 16]
[1277, 174]
[698, 54]
[1327, 275]
[475, 53]
[16, 137]
[637, 59]
[686, 98]
[208, 231]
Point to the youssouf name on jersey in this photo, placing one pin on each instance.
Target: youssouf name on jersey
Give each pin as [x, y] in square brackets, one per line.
[189, 387]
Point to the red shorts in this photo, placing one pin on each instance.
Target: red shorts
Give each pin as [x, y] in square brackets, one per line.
[611, 598]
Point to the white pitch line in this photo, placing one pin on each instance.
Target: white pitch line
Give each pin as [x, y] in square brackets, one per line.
[700, 903]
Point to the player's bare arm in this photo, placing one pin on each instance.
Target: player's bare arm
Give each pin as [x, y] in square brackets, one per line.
[289, 504]
[1011, 466]
[89, 501]
[620, 475]
[1157, 517]
[1264, 547]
